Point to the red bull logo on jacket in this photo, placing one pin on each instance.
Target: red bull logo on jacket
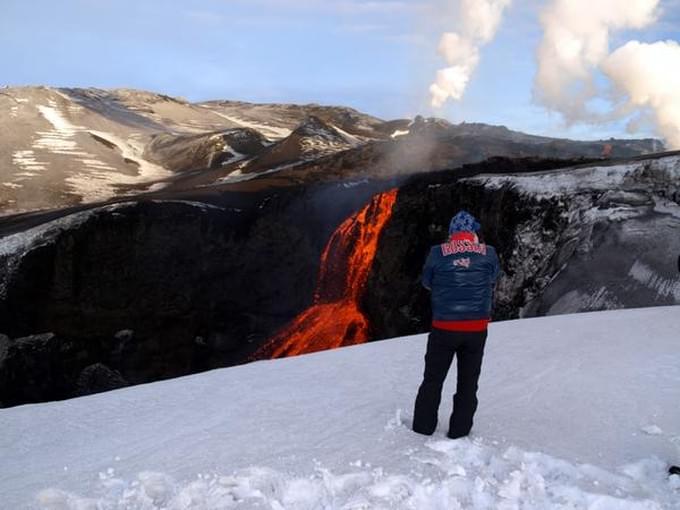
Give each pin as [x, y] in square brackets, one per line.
[464, 262]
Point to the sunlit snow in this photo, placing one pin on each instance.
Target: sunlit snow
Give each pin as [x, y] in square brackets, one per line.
[576, 411]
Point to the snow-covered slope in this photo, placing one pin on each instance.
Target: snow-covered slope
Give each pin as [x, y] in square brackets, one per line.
[575, 412]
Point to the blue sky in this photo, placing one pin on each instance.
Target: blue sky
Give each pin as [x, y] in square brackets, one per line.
[378, 56]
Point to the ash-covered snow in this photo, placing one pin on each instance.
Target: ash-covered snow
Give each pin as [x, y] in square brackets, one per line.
[664, 206]
[550, 183]
[12, 185]
[271, 132]
[193, 203]
[238, 175]
[575, 412]
[28, 162]
[19, 243]
[100, 182]
[646, 275]
[601, 299]
[62, 145]
[61, 139]
[351, 139]
[400, 132]
[352, 184]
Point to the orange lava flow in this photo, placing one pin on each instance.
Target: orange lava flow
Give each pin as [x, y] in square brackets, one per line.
[334, 320]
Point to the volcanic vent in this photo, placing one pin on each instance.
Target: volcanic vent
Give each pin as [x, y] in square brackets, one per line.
[334, 319]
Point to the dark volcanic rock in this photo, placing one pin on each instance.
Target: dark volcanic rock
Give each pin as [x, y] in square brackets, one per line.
[566, 241]
[35, 368]
[170, 270]
[161, 289]
[97, 378]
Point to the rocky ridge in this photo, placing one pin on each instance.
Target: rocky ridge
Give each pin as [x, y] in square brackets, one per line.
[69, 147]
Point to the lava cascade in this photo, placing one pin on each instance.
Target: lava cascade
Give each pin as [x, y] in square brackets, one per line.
[334, 319]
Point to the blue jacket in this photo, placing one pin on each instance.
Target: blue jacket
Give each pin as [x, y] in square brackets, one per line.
[461, 275]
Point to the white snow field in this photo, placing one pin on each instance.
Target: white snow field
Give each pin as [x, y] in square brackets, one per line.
[576, 411]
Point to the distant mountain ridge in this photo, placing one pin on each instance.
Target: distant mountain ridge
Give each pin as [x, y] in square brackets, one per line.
[62, 147]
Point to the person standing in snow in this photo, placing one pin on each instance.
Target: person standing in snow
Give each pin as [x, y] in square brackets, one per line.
[461, 275]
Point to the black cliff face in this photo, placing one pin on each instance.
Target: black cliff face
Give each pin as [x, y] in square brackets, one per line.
[141, 291]
[395, 301]
[586, 238]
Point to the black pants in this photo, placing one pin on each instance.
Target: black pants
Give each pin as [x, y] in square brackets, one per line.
[441, 347]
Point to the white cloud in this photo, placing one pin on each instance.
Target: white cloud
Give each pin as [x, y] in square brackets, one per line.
[649, 76]
[643, 78]
[575, 43]
[479, 21]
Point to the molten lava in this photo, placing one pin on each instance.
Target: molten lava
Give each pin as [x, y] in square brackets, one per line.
[334, 319]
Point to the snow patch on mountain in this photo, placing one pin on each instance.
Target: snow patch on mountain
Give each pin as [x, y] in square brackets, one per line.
[12, 185]
[100, 181]
[226, 148]
[90, 177]
[400, 132]
[29, 164]
[271, 132]
[61, 138]
[349, 138]
[239, 176]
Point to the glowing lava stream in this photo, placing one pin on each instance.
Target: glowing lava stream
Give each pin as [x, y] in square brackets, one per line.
[334, 319]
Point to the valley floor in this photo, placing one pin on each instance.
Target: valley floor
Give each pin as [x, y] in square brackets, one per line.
[576, 411]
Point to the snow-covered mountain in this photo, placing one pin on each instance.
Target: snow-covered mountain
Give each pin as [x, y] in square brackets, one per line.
[62, 147]
[56, 151]
[576, 411]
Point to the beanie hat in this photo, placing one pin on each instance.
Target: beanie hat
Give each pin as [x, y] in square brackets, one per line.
[463, 221]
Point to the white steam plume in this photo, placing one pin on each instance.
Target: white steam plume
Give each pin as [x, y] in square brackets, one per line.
[649, 74]
[479, 21]
[575, 47]
[575, 43]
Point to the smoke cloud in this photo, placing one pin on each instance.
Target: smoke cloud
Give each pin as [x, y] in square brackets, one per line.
[479, 21]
